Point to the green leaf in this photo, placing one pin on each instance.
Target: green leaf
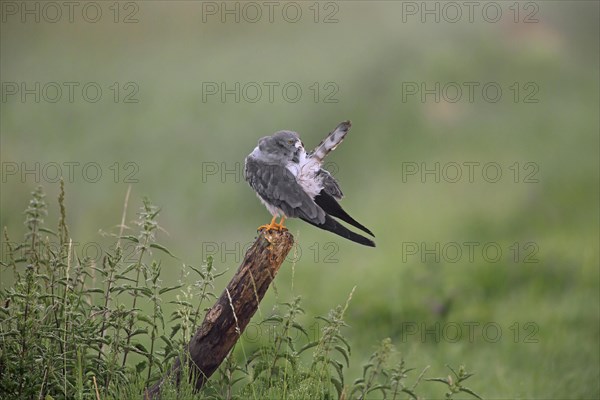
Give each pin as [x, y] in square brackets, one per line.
[344, 353]
[140, 366]
[339, 387]
[46, 230]
[274, 318]
[220, 273]
[121, 276]
[410, 393]
[339, 369]
[138, 331]
[145, 318]
[168, 289]
[196, 270]
[308, 346]
[182, 303]
[300, 328]
[453, 371]
[162, 248]
[175, 329]
[167, 340]
[233, 382]
[343, 340]
[382, 388]
[465, 376]
[443, 380]
[140, 348]
[472, 393]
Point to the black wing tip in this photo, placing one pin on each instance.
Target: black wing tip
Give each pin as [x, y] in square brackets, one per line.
[333, 226]
[368, 243]
[328, 203]
[344, 232]
[360, 226]
[367, 230]
[355, 237]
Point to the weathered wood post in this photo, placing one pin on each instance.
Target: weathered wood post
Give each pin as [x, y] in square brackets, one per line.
[226, 320]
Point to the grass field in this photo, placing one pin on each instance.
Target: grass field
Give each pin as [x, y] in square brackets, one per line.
[484, 205]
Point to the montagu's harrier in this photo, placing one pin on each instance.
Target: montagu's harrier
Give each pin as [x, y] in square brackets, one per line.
[291, 183]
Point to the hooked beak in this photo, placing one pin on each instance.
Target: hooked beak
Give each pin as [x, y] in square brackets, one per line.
[299, 147]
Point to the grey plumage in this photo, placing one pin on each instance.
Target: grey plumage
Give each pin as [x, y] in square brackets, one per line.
[275, 185]
[291, 183]
[330, 185]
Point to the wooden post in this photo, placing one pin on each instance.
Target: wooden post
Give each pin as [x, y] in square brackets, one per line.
[225, 322]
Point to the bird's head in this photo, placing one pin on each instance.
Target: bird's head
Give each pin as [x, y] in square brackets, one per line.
[281, 146]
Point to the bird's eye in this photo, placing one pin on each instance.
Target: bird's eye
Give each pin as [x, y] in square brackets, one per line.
[291, 141]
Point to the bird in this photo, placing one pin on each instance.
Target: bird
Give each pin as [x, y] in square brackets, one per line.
[291, 183]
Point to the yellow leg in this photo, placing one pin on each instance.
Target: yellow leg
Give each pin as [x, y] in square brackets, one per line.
[281, 225]
[269, 226]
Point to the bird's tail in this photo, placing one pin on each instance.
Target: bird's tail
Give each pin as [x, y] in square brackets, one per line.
[332, 225]
[331, 141]
[333, 208]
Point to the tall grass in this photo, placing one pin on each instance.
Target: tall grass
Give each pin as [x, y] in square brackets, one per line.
[74, 329]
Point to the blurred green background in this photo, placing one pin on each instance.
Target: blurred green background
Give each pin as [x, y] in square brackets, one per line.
[184, 147]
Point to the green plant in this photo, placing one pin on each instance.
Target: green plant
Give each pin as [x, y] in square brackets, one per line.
[61, 326]
[456, 386]
[74, 328]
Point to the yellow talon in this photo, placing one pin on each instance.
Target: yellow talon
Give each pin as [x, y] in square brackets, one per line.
[273, 225]
[270, 226]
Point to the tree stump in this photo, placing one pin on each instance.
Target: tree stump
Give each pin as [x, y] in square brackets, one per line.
[226, 320]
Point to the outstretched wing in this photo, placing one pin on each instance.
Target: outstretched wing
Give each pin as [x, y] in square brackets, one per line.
[276, 185]
[331, 192]
[331, 141]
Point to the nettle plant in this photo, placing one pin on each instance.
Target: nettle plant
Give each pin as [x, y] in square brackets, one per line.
[78, 328]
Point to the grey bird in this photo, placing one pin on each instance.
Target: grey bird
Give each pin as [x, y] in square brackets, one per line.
[291, 183]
